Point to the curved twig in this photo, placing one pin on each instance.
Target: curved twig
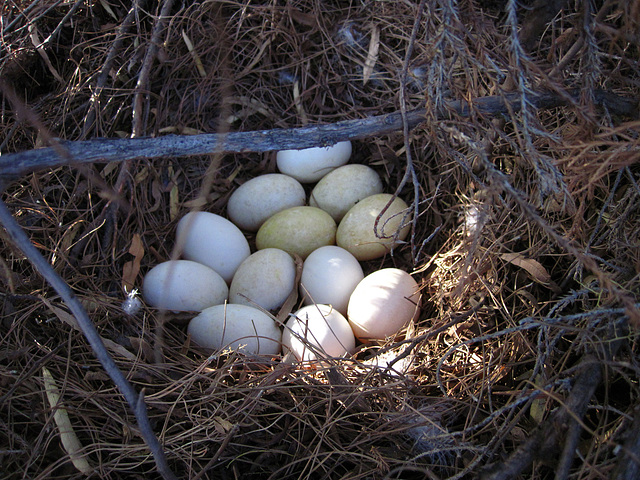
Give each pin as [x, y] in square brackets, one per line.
[135, 401]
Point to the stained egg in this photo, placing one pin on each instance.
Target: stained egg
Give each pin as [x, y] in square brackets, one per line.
[357, 230]
[297, 230]
[341, 189]
[262, 197]
[266, 279]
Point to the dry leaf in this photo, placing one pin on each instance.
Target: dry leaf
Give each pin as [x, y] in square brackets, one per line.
[69, 439]
[372, 55]
[533, 268]
[174, 202]
[62, 315]
[131, 268]
[538, 404]
[194, 54]
[307, 19]
[222, 426]
[298, 103]
[119, 349]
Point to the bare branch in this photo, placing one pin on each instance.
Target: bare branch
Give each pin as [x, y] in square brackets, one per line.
[15, 165]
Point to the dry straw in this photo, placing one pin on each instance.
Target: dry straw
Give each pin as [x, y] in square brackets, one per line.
[525, 241]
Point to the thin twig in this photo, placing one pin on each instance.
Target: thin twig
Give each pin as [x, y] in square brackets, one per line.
[94, 102]
[145, 71]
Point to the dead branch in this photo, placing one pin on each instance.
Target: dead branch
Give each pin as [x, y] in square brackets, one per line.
[136, 401]
[15, 165]
[548, 439]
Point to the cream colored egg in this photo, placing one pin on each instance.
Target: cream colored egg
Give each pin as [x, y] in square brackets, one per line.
[237, 327]
[262, 197]
[265, 279]
[341, 189]
[329, 276]
[383, 303]
[214, 241]
[357, 230]
[182, 285]
[297, 230]
[311, 164]
[317, 331]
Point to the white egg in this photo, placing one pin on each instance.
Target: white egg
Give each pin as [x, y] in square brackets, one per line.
[212, 240]
[320, 326]
[237, 327]
[266, 279]
[341, 189]
[357, 230]
[262, 197]
[329, 276]
[383, 303]
[182, 285]
[297, 230]
[311, 164]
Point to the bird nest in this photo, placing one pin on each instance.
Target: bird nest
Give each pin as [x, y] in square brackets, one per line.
[516, 140]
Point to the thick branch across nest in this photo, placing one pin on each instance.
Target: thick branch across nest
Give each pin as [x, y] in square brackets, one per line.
[15, 165]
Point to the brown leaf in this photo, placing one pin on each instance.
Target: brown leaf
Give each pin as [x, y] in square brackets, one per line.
[533, 268]
[131, 269]
[307, 19]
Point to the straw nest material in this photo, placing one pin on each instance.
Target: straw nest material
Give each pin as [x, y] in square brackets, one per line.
[524, 361]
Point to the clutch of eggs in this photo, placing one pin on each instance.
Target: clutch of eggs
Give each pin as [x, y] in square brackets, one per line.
[342, 303]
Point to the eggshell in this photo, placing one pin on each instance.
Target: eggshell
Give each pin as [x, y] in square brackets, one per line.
[323, 327]
[182, 285]
[383, 303]
[356, 230]
[266, 278]
[297, 230]
[238, 327]
[329, 276]
[341, 189]
[214, 241]
[311, 164]
[262, 197]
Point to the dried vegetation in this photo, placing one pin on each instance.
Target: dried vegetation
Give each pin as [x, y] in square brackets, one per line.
[524, 363]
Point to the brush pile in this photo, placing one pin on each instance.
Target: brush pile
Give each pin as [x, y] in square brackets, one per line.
[526, 243]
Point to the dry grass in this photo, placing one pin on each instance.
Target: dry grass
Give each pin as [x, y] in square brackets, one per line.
[502, 337]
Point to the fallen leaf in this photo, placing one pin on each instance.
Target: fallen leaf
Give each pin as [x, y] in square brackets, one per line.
[538, 404]
[68, 436]
[372, 55]
[131, 268]
[533, 268]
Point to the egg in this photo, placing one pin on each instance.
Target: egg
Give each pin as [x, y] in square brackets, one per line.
[182, 285]
[237, 327]
[311, 164]
[214, 241]
[342, 188]
[329, 276]
[321, 326]
[265, 279]
[297, 230]
[383, 303]
[262, 197]
[357, 230]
